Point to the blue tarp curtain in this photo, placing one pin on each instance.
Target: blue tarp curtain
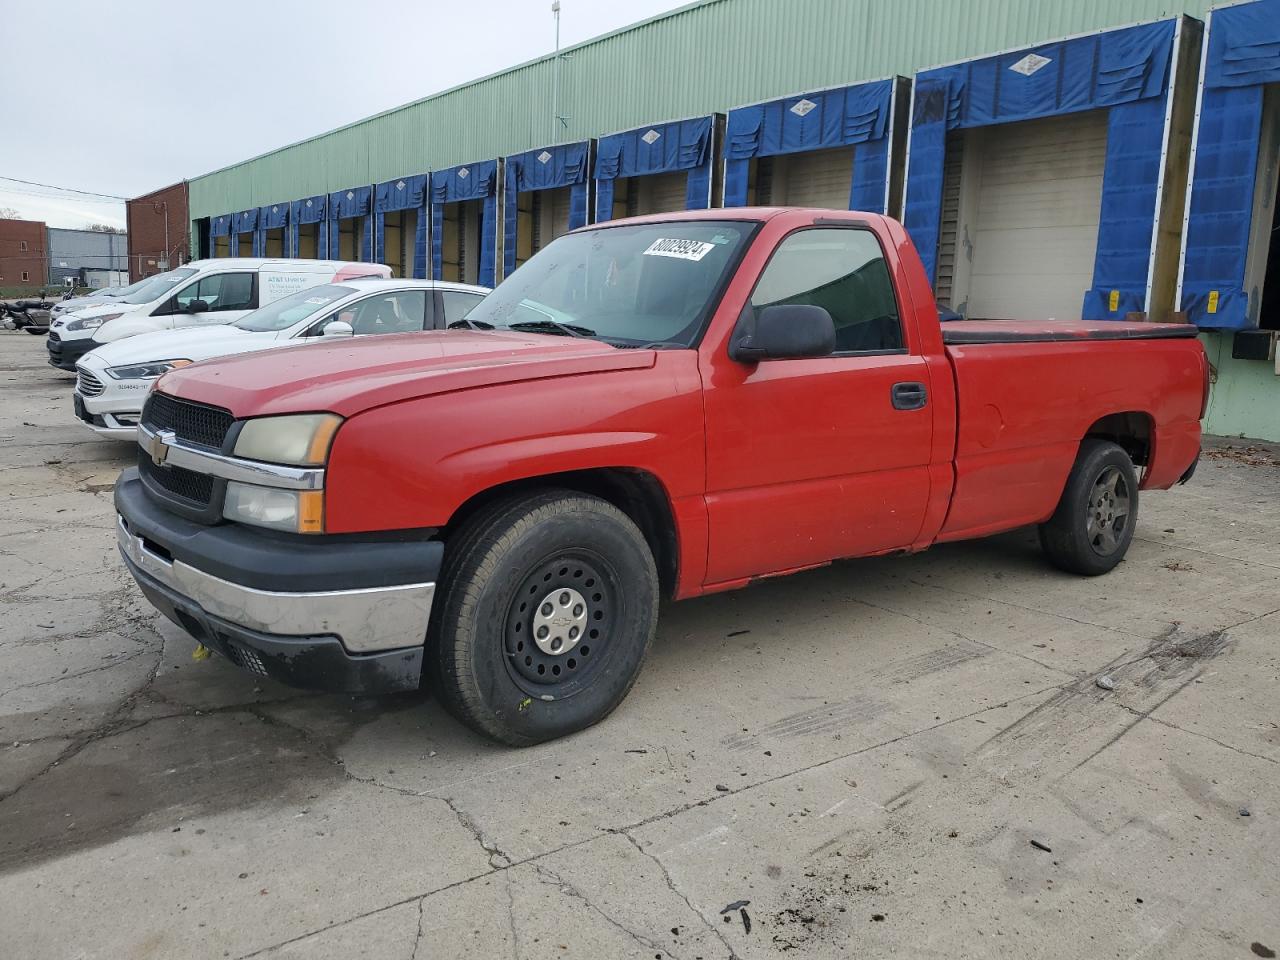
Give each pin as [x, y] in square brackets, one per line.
[815, 121]
[345, 205]
[405, 193]
[1243, 55]
[218, 227]
[659, 148]
[543, 169]
[272, 217]
[307, 211]
[468, 181]
[246, 222]
[1124, 70]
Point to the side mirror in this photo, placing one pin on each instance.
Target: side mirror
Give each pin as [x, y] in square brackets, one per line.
[783, 332]
[337, 328]
[197, 306]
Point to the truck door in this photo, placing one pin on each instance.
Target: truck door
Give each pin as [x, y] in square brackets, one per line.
[811, 460]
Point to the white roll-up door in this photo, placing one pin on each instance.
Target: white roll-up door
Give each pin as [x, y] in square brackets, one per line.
[660, 193]
[820, 178]
[1032, 226]
[559, 213]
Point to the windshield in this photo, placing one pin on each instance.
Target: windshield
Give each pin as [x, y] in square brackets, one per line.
[157, 287]
[125, 291]
[649, 283]
[287, 311]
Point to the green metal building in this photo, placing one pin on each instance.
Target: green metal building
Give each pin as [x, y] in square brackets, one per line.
[702, 59]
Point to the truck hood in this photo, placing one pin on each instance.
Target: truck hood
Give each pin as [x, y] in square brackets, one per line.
[197, 343]
[349, 376]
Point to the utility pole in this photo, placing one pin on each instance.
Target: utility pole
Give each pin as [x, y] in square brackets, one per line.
[556, 119]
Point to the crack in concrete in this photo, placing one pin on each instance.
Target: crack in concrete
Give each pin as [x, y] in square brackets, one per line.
[549, 877]
[1027, 609]
[498, 859]
[956, 633]
[116, 722]
[671, 885]
[1204, 736]
[511, 918]
[115, 662]
[417, 940]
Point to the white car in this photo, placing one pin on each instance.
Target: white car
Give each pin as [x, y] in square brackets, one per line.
[76, 304]
[113, 381]
[202, 292]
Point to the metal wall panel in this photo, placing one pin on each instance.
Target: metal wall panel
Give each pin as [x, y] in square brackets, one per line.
[700, 59]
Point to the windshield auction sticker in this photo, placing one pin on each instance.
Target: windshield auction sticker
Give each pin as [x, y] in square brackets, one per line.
[680, 249]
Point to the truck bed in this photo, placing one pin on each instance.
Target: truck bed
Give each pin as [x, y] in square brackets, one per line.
[1045, 331]
[1028, 391]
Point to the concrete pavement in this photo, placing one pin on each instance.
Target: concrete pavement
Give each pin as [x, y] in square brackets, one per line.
[900, 756]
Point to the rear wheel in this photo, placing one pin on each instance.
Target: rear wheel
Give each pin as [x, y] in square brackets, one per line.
[549, 606]
[1092, 528]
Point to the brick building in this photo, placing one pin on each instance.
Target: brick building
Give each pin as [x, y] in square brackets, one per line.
[23, 258]
[158, 227]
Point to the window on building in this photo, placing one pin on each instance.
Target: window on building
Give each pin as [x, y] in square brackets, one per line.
[25, 276]
[22, 245]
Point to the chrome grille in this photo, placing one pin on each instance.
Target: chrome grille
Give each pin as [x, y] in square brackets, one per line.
[87, 385]
[193, 422]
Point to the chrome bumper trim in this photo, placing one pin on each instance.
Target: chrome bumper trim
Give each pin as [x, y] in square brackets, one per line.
[377, 618]
[163, 447]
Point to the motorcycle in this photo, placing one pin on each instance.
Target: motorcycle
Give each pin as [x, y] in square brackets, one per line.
[29, 315]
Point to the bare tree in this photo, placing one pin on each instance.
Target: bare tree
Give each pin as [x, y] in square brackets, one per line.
[103, 228]
[9, 213]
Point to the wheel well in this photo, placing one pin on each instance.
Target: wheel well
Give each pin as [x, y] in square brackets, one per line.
[1130, 431]
[637, 493]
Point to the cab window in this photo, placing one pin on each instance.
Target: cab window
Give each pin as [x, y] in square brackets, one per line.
[843, 271]
[219, 292]
[403, 311]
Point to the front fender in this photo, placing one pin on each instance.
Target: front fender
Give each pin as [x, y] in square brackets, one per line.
[413, 464]
[128, 326]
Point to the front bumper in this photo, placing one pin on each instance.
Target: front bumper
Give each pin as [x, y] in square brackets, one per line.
[330, 613]
[115, 406]
[118, 425]
[63, 354]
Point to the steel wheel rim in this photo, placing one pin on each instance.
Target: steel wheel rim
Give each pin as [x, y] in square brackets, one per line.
[536, 663]
[1109, 509]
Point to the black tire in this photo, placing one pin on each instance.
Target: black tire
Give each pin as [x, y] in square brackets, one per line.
[1092, 528]
[510, 563]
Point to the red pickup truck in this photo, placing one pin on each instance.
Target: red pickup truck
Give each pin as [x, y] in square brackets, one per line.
[658, 407]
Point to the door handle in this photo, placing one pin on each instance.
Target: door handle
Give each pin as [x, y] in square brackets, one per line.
[909, 396]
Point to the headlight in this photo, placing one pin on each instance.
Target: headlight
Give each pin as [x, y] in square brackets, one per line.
[300, 440]
[297, 511]
[92, 323]
[145, 371]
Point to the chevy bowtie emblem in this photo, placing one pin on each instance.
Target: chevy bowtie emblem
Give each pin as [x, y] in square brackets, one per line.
[157, 446]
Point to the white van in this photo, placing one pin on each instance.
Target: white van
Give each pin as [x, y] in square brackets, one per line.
[113, 382]
[203, 291]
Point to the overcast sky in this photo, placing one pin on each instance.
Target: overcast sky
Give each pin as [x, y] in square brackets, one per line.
[124, 98]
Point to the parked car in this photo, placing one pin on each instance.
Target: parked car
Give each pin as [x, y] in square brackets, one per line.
[670, 405]
[204, 291]
[113, 380]
[74, 304]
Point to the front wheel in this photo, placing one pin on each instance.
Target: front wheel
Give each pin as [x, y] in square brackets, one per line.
[1092, 528]
[549, 605]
